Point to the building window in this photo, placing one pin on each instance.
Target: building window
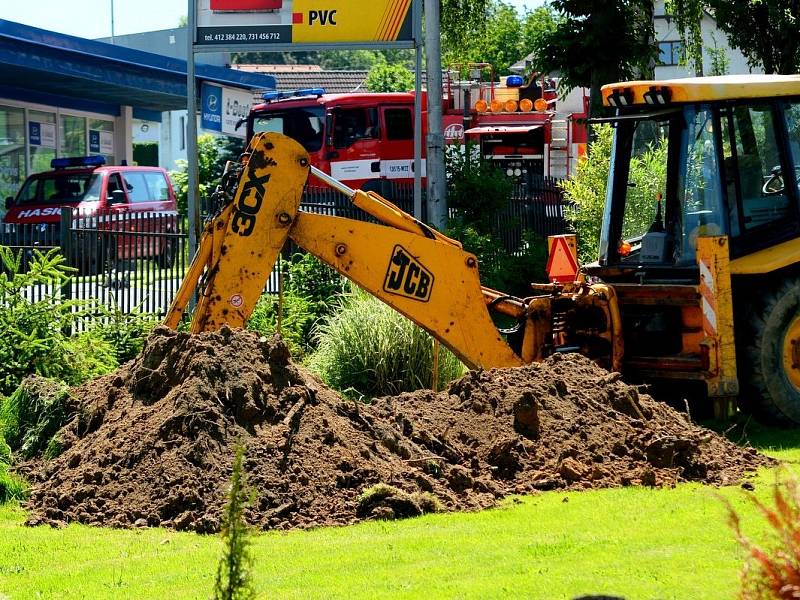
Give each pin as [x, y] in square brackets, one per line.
[670, 53]
[41, 139]
[101, 139]
[12, 150]
[73, 136]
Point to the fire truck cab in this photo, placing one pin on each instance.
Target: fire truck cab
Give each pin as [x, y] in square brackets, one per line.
[360, 139]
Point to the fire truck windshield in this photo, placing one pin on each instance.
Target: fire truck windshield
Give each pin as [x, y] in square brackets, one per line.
[60, 188]
[302, 124]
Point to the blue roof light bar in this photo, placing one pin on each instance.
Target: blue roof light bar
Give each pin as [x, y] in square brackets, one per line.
[271, 96]
[77, 161]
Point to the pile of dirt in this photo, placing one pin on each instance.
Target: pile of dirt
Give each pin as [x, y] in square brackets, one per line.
[152, 444]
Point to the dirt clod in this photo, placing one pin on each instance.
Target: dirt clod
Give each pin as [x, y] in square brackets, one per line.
[153, 443]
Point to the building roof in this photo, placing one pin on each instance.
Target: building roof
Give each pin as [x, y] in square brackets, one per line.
[297, 77]
[705, 89]
[52, 68]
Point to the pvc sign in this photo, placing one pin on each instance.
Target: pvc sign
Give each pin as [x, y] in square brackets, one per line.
[221, 108]
[42, 134]
[250, 22]
[101, 142]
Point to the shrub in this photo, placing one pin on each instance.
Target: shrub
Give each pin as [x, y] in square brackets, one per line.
[298, 319]
[124, 332]
[212, 154]
[587, 191]
[772, 572]
[30, 417]
[476, 188]
[235, 570]
[12, 487]
[392, 502]
[369, 348]
[317, 282]
[310, 292]
[34, 338]
[5, 451]
[477, 192]
[87, 356]
[499, 269]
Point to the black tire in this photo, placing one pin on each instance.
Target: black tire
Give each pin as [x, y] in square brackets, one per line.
[767, 388]
[166, 260]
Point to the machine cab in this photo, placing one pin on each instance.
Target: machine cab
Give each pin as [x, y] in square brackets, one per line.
[691, 159]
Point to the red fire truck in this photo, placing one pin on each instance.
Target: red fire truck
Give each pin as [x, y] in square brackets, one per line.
[367, 139]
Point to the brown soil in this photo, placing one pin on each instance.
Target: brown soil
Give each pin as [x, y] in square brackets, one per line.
[153, 443]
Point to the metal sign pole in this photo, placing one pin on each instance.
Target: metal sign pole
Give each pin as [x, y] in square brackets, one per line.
[418, 124]
[191, 133]
[418, 136]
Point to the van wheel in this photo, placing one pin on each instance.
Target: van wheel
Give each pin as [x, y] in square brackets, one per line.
[770, 355]
[166, 260]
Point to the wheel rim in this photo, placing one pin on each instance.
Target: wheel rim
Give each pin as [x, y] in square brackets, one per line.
[791, 352]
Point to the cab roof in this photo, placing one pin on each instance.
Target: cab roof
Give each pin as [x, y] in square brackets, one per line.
[705, 89]
[331, 100]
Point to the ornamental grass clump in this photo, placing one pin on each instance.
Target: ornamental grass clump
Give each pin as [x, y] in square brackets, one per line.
[772, 571]
[369, 349]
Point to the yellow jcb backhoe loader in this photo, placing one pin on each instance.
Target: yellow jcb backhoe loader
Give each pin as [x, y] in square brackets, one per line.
[697, 282]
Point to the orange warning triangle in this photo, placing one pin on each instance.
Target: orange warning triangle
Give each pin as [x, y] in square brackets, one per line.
[561, 264]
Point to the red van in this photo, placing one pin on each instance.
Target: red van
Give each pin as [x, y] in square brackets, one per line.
[103, 198]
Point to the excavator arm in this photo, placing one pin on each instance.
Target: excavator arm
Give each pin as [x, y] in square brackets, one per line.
[416, 270]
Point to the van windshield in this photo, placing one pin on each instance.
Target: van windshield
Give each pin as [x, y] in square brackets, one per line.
[304, 125]
[60, 188]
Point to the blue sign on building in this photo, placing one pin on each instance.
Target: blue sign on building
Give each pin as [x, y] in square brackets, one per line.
[34, 133]
[211, 107]
[94, 141]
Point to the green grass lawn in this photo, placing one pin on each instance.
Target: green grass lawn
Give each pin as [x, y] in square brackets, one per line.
[633, 542]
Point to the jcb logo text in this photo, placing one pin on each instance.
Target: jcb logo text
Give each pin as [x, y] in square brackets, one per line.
[407, 277]
[250, 200]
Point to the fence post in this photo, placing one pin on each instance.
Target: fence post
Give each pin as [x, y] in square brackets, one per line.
[66, 249]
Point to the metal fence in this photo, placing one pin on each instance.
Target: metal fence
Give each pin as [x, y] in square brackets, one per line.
[133, 261]
[128, 261]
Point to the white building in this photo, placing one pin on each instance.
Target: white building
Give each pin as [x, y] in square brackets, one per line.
[671, 48]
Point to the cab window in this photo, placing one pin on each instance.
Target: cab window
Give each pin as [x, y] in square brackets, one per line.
[56, 189]
[137, 188]
[304, 125]
[399, 125]
[752, 167]
[646, 179]
[701, 201]
[114, 184]
[792, 115]
[354, 124]
[156, 186]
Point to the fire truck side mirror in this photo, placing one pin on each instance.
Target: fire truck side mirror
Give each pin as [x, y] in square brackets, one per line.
[9, 202]
[329, 129]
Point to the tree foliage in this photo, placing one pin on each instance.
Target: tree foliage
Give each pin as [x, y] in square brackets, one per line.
[765, 31]
[385, 77]
[212, 153]
[500, 37]
[235, 570]
[595, 42]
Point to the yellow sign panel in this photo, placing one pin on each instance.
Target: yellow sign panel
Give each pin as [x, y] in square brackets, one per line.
[323, 21]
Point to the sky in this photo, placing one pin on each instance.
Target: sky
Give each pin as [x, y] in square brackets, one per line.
[92, 18]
